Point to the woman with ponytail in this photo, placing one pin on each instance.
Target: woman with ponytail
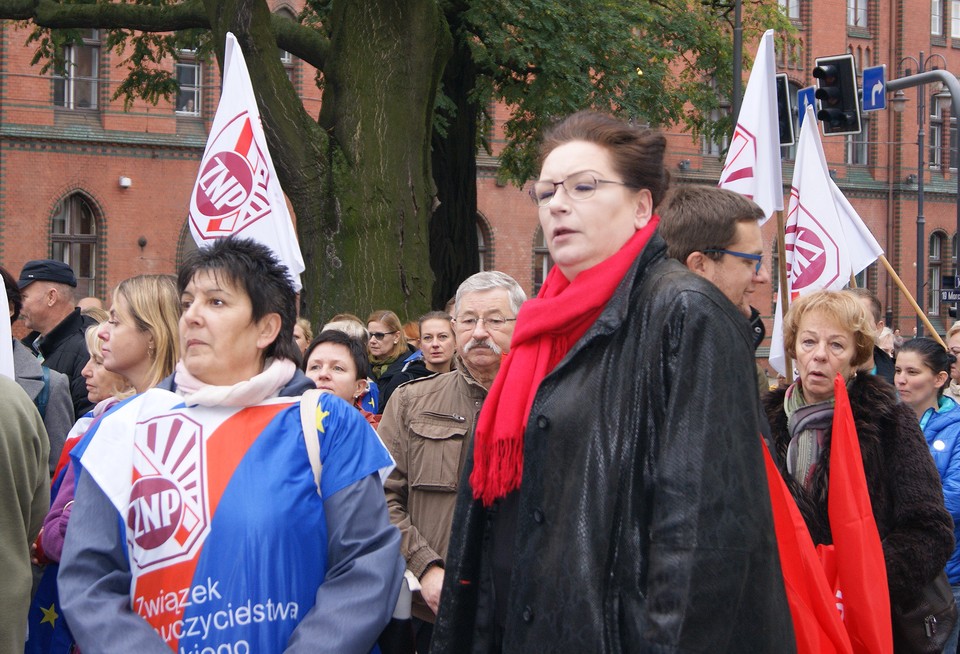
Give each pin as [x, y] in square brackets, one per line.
[922, 374]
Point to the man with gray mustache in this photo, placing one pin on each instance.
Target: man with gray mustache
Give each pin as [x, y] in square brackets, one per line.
[428, 426]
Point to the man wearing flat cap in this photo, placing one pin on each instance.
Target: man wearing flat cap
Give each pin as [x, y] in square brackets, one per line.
[49, 309]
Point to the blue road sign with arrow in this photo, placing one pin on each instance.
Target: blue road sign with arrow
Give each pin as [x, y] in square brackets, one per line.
[805, 97]
[875, 88]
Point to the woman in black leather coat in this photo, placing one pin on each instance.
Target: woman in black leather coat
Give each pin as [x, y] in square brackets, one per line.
[617, 500]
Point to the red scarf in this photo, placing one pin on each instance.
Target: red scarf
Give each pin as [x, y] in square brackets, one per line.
[547, 327]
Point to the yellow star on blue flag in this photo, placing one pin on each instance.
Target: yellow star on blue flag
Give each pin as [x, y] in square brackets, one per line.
[50, 615]
[321, 414]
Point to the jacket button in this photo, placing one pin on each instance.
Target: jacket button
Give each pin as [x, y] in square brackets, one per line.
[543, 422]
[538, 516]
[527, 614]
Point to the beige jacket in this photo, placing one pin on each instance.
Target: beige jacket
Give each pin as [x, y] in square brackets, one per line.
[427, 426]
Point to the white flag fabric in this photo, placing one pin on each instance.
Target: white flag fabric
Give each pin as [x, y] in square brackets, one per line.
[816, 249]
[237, 191]
[752, 167]
[862, 247]
[6, 341]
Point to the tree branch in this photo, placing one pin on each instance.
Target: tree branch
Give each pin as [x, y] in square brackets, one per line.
[304, 42]
[165, 18]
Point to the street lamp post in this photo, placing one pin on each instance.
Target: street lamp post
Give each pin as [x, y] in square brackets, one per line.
[921, 65]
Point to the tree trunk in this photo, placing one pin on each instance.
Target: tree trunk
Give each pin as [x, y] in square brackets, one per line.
[453, 225]
[369, 248]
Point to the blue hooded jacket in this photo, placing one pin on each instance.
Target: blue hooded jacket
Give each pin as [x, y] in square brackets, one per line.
[941, 427]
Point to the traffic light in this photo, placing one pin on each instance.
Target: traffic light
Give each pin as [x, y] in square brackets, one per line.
[838, 95]
[784, 111]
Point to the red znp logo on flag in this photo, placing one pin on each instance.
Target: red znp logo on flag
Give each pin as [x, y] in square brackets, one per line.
[812, 254]
[167, 512]
[231, 191]
[737, 174]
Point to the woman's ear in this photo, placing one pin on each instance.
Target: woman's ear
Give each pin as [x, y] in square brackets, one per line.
[941, 379]
[269, 327]
[644, 201]
[362, 385]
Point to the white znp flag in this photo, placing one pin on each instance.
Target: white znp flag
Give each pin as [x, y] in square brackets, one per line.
[752, 167]
[237, 191]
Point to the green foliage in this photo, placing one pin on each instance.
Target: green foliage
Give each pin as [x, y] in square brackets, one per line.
[649, 62]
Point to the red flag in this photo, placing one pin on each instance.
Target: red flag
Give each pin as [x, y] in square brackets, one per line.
[816, 620]
[856, 550]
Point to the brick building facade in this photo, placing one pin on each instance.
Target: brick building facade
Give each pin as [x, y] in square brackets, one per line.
[105, 188]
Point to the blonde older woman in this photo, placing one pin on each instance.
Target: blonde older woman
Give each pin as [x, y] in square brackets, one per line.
[224, 519]
[829, 333]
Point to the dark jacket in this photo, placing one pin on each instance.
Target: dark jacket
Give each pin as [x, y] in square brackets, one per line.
[884, 364]
[643, 521]
[399, 372]
[904, 487]
[64, 349]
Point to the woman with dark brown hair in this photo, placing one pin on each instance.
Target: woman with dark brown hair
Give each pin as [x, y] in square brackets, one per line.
[617, 501]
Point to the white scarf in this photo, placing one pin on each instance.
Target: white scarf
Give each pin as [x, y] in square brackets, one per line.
[276, 374]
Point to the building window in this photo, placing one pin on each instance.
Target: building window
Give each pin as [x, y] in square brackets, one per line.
[955, 19]
[73, 240]
[77, 87]
[857, 13]
[542, 261]
[933, 272]
[791, 8]
[189, 78]
[858, 145]
[289, 65]
[708, 146]
[484, 244]
[936, 17]
[936, 137]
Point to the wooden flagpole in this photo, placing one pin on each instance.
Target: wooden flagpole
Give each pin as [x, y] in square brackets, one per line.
[784, 289]
[913, 302]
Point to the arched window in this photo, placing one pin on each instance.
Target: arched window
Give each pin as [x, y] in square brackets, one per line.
[934, 271]
[289, 63]
[542, 261]
[484, 244]
[73, 240]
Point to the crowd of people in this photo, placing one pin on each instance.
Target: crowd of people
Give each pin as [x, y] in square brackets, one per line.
[590, 470]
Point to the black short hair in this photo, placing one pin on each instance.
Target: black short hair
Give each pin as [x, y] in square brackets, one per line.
[358, 351]
[253, 267]
[14, 296]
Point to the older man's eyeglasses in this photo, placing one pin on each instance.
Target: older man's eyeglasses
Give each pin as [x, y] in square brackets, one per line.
[742, 255]
[381, 335]
[579, 186]
[469, 323]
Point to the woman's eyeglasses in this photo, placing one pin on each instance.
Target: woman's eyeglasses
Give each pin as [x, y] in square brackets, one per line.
[381, 335]
[579, 186]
